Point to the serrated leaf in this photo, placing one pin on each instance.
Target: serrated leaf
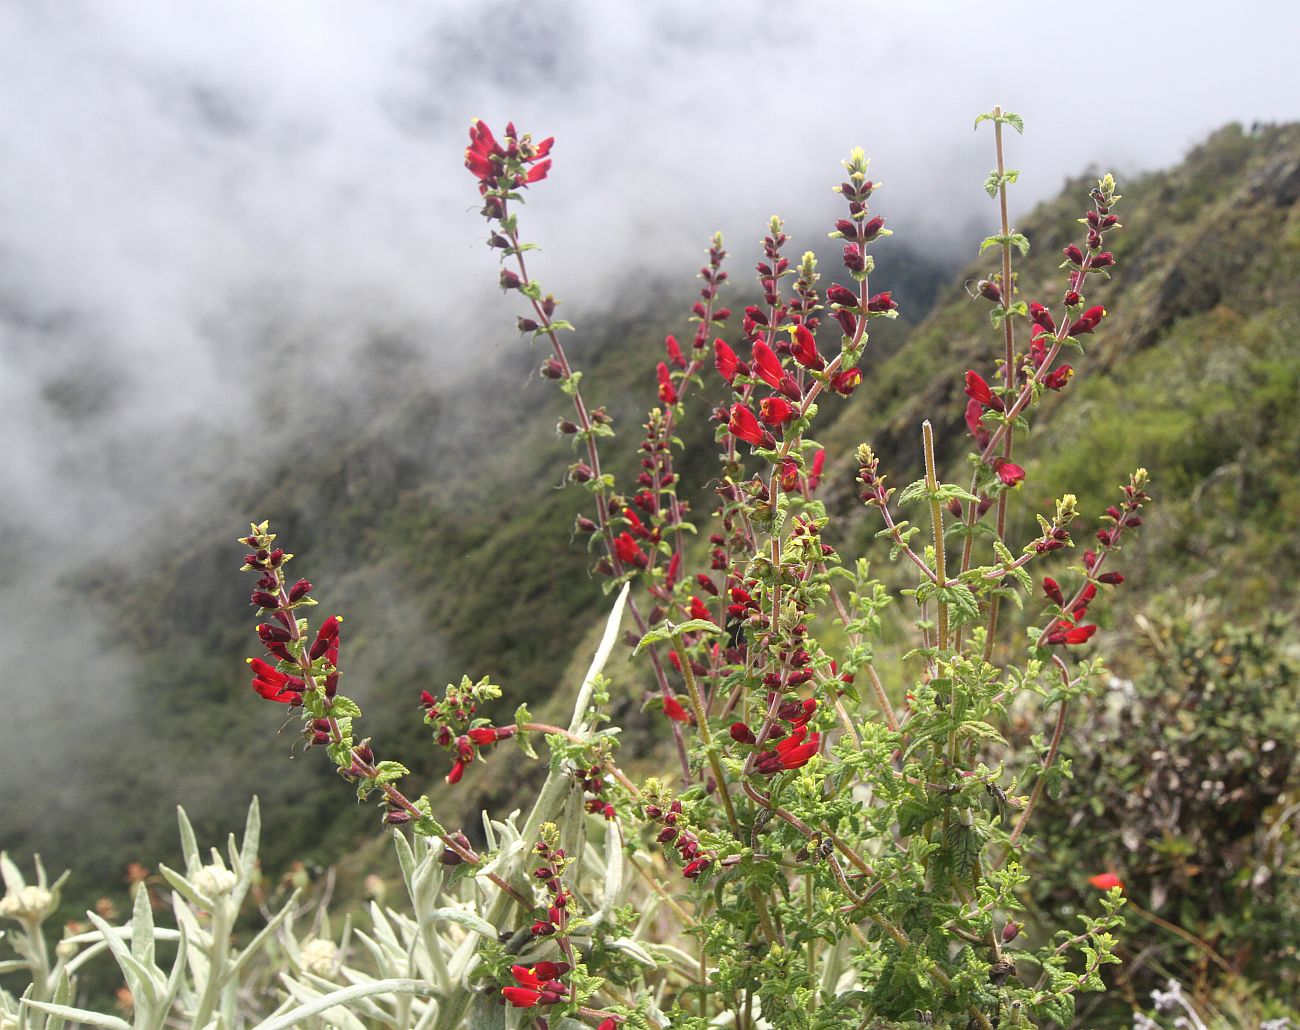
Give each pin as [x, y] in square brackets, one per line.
[962, 847]
[344, 707]
[522, 717]
[389, 772]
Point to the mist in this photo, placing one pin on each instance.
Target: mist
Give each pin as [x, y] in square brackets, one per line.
[210, 212]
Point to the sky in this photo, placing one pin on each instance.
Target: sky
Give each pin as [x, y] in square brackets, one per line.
[206, 204]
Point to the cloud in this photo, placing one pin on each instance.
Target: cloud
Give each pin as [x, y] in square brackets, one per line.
[209, 211]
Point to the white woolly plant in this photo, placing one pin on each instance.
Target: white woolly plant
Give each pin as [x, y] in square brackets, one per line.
[410, 969]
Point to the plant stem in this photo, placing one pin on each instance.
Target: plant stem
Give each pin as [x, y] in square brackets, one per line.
[936, 519]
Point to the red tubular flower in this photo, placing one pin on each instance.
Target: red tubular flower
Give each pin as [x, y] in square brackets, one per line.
[791, 753]
[1058, 377]
[742, 734]
[1008, 471]
[483, 735]
[326, 637]
[270, 683]
[789, 475]
[457, 771]
[1111, 579]
[538, 172]
[694, 868]
[977, 389]
[775, 411]
[846, 381]
[1066, 633]
[674, 568]
[743, 425]
[1073, 254]
[1053, 591]
[1105, 881]
[797, 713]
[725, 360]
[974, 422]
[1088, 321]
[667, 392]
[882, 302]
[674, 710]
[629, 552]
[804, 349]
[815, 473]
[529, 990]
[674, 351]
[699, 610]
[767, 365]
[841, 295]
[1041, 317]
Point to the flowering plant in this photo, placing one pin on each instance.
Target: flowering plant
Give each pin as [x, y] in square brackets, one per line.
[828, 854]
[835, 840]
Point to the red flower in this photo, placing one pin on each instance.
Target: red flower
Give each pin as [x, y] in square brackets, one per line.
[841, 295]
[768, 365]
[804, 349]
[667, 392]
[775, 411]
[815, 474]
[674, 351]
[326, 638]
[482, 156]
[270, 683]
[1008, 471]
[797, 713]
[535, 988]
[694, 868]
[629, 552]
[725, 360]
[882, 302]
[1067, 633]
[974, 422]
[744, 426]
[483, 735]
[1058, 377]
[846, 381]
[1088, 321]
[674, 710]
[790, 475]
[977, 389]
[1053, 591]
[1105, 881]
[457, 771]
[742, 734]
[1041, 316]
[699, 610]
[538, 172]
[791, 753]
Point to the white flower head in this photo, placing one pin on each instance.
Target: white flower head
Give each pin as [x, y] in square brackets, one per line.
[215, 880]
[26, 904]
[318, 956]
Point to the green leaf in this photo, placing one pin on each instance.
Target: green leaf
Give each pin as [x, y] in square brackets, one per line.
[522, 717]
[344, 706]
[962, 846]
[389, 772]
